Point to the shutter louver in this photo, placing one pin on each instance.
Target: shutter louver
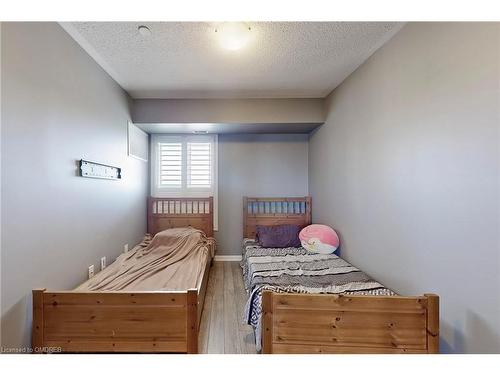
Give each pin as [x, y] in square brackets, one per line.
[170, 175]
[199, 165]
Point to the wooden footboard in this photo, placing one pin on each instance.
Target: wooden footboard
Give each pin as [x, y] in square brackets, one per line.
[328, 323]
[115, 321]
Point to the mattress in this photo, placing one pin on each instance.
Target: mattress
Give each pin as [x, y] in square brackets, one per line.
[174, 259]
[296, 270]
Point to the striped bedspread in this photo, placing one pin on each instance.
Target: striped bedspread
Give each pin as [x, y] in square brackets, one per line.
[299, 271]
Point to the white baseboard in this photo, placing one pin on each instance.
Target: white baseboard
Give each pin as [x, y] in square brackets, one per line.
[227, 258]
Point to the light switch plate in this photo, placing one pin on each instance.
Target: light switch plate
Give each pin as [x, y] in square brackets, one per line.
[103, 263]
[91, 271]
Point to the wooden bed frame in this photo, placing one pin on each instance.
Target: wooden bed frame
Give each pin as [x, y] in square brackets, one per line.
[130, 322]
[274, 211]
[336, 323]
[164, 213]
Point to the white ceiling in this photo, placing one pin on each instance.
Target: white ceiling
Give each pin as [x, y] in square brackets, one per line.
[184, 60]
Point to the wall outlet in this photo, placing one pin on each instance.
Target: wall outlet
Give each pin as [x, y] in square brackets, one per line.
[103, 263]
[91, 271]
[125, 248]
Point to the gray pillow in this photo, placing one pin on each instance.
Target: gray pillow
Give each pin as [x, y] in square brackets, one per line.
[286, 235]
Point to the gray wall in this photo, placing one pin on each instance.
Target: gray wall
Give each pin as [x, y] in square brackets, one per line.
[265, 165]
[406, 168]
[228, 111]
[59, 106]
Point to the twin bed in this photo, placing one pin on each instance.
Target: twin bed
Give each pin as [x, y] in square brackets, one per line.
[301, 302]
[151, 298]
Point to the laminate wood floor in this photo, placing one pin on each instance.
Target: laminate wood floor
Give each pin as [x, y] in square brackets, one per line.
[222, 329]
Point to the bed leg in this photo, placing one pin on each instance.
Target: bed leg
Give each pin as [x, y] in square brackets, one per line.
[267, 322]
[432, 323]
[192, 321]
[37, 330]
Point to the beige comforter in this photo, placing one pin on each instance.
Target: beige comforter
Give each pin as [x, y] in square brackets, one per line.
[174, 259]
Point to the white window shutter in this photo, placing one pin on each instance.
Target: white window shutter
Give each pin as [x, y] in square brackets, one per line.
[170, 164]
[199, 165]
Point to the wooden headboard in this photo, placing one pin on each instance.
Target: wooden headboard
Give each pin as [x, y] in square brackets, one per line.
[274, 211]
[165, 213]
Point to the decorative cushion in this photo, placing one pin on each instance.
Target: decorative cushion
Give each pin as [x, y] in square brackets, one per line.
[278, 235]
[319, 238]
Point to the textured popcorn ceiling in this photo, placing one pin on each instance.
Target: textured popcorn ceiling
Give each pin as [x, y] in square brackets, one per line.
[184, 60]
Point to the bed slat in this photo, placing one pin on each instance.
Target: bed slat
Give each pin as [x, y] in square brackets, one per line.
[165, 213]
[274, 211]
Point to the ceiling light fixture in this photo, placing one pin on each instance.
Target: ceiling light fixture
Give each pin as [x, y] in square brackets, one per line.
[144, 30]
[233, 35]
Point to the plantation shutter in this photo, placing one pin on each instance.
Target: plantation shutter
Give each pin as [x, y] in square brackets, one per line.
[170, 164]
[199, 165]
